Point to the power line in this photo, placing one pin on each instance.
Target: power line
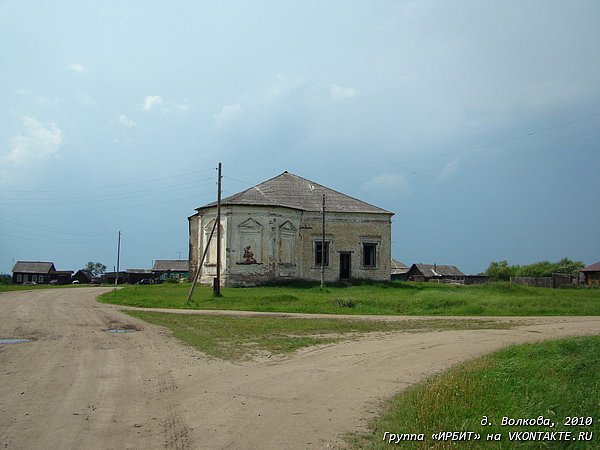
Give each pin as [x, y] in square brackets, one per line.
[112, 185]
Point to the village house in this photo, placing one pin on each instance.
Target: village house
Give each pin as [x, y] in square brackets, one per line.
[399, 270]
[435, 272]
[170, 268]
[273, 231]
[39, 272]
[591, 274]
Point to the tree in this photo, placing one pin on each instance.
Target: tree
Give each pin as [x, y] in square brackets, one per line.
[95, 269]
[5, 278]
[500, 270]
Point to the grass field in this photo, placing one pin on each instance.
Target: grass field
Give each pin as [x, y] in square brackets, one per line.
[17, 287]
[556, 380]
[396, 298]
[235, 338]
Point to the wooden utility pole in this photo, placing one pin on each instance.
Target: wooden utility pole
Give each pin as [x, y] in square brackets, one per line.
[217, 281]
[323, 246]
[118, 259]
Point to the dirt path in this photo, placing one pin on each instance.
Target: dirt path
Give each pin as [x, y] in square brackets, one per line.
[75, 386]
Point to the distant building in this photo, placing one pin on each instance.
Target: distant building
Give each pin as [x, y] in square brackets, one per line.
[110, 277]
[591, 274]
[273, 231]
[134, 276]
[435, 272]
[82, 276]
[39, 272]
[170, 268]
[399, 270]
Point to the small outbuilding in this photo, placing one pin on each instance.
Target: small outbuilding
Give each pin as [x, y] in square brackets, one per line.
[591, 274]
[436, 273]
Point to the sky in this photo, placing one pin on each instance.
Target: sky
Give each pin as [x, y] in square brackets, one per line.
[476, 122]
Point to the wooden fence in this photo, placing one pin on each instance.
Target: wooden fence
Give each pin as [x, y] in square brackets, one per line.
[557, 280]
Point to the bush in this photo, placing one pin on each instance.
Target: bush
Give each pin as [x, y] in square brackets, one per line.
[5, 278]
[344, 303]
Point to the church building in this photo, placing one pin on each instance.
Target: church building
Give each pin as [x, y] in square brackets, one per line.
[274, 231]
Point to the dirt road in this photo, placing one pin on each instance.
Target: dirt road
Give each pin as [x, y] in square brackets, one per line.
[76, 386]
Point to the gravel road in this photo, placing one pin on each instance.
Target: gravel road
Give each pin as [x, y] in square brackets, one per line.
[76, 386]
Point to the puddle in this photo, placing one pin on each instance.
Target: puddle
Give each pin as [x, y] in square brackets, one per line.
[120, 330]
[14, 341]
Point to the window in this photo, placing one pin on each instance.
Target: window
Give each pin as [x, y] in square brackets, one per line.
[34, 278]
[19, 278]
[369, 255]
[41, 279]
[319, 254]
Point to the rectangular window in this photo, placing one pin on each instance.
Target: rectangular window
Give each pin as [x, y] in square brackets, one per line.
[19, 278]
[319, 254]
[369, 255]
[41, 279]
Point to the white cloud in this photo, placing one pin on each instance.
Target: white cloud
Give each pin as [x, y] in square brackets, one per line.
[227, 116]
[38, 144]
[151, 102]
[126, 121]
[449, 169]
[340, 93]
[387, 184]
[76, 67]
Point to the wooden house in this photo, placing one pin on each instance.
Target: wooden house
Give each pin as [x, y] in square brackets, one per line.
[39, 272]
[435, 272]
[170, 268]
[591, 274]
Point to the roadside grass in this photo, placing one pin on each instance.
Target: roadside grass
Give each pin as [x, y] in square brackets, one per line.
[554, 379]
[18, 287]
[395, 298]
[241, 338]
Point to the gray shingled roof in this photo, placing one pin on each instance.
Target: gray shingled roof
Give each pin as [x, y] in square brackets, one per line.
[430, 270]
[295, 192]
[398, 267]
[33, 267]
[173, 265]
[592, 268]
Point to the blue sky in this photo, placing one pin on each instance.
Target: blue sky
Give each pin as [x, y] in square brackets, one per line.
[476, 122]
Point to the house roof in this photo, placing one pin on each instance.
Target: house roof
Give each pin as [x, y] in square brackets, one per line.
[86, 273]
[438, 270]
[141, 271]
[592, 268]
[291, 191]
[33, 267]
[398, 268]
[173, 265]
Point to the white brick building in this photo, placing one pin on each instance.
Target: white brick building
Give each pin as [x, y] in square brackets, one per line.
[273, 231]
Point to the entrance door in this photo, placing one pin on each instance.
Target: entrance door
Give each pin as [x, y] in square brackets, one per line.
[344, 266]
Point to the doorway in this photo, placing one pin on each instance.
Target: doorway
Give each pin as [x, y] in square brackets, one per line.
[345, 265]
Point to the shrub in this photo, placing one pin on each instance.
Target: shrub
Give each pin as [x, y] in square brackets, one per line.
[344, 303]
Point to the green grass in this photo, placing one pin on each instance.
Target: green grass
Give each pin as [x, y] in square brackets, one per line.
[234, 338]
[396, 298]
[18, 287]
[556, 380]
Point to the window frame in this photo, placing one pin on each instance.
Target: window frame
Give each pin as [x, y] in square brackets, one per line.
[371, 254]
[317, 253]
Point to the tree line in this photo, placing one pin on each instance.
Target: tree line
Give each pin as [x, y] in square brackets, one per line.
[501, 270]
